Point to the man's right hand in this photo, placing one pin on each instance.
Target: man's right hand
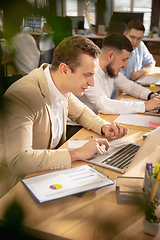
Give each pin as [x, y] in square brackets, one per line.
[92, 147]
[154, 103]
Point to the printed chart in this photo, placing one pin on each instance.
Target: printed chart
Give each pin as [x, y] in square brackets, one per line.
[54, 185]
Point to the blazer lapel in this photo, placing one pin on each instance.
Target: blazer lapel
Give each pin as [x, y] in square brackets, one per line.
[43, 86]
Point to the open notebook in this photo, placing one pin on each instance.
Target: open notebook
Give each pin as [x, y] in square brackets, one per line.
[119, 156]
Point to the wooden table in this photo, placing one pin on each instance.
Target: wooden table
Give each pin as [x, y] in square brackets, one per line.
[93, 216]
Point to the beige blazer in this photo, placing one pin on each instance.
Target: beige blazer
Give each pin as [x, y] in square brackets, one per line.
[26, 132]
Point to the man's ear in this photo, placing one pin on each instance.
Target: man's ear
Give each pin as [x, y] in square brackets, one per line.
[124, 33]
[111, 55]
[63, 68]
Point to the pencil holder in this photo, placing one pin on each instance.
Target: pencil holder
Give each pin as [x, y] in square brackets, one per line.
[151, 187]
[137, 190]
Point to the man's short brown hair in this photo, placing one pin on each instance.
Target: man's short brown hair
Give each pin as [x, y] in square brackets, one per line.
[135, 24]
[70, 49]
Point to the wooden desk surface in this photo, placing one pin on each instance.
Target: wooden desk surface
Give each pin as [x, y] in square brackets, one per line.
[94, 36]
[93, 216]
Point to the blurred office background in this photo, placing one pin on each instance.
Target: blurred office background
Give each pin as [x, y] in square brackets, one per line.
[94, 18]
[93, 11]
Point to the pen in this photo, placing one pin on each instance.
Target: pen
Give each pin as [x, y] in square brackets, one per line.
[149, 169]
[156, 169]
[90, 136]
[148, 164]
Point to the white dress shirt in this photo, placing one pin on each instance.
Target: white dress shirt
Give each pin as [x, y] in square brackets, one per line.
[100, 94]
[57, 103]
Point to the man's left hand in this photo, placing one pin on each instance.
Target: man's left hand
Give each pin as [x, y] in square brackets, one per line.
[114, 130]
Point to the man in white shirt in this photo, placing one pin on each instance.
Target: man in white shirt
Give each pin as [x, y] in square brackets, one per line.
[115, 53]
[36, 109]
[141, 60]
[24, 52]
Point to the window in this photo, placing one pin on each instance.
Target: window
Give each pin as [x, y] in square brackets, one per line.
[88, 10]
[39, 3]
[146, 7]
[121, 6]
[1, 20]
[135, 6]
[89, 13]
[71, 8]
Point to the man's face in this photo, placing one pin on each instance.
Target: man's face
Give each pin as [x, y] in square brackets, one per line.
[119, 62]
[135, 37]
[83, 76]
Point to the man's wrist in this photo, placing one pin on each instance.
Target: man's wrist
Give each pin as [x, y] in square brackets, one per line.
[152, 95]
[103, 129]
[102, 133]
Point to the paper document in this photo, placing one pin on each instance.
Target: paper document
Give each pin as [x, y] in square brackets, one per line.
[72, 144]
[149, 80]
[136, 120]
[54, 185]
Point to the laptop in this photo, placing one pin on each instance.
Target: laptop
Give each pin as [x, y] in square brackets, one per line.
[155, 112]
[121, 153]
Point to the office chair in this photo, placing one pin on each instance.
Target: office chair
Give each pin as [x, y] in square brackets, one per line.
[117, 27]
[46, 46]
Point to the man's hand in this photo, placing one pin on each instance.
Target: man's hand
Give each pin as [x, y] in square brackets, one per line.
[154, 103]
[136, 75]
[114, 131]
[92, 147]
[149, 68]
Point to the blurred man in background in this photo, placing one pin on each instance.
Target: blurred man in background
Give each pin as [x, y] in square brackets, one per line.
[141, 60]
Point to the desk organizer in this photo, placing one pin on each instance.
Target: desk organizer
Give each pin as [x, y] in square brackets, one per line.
[136, 190]
[149, 186]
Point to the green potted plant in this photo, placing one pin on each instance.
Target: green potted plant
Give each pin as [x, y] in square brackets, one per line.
[151, 222]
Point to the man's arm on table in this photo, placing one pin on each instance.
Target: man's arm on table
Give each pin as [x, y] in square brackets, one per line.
[98, 96]
[134, 76]
[96, 124]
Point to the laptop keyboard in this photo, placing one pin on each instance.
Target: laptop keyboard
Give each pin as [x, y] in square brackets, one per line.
[122, 158]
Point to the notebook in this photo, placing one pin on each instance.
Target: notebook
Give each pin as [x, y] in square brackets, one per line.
[118, 157]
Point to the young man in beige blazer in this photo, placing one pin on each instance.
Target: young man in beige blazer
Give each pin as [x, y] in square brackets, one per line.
[36, 108]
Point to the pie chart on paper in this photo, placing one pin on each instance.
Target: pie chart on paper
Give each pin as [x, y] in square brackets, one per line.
[55, 186]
